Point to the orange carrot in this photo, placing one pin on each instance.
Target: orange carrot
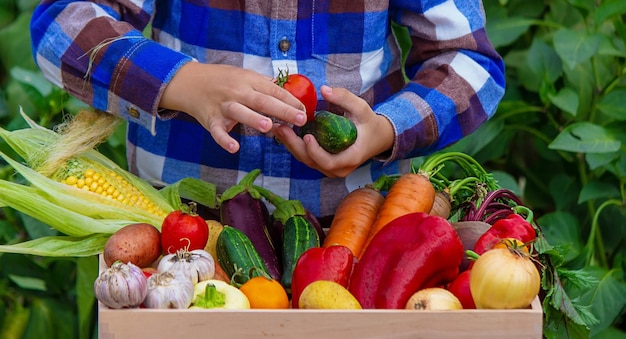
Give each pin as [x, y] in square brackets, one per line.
[353, 219]
[412, 192]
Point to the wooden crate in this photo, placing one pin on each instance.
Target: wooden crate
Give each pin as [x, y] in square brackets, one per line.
[149, 323]
[327, 324]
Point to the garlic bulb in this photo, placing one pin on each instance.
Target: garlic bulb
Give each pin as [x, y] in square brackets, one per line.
[169, 290]
[121, 286]
[198, 265]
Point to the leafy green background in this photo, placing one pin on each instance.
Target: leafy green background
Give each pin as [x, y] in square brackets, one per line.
[558, 140]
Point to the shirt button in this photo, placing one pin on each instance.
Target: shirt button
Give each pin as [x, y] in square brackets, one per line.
[284, 45]
[133, 112]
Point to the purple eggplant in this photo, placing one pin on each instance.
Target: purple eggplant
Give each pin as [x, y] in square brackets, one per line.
[241, 207]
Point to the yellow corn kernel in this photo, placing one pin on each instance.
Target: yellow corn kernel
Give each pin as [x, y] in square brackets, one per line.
[89, 173]
[110, 185]
[71, 180]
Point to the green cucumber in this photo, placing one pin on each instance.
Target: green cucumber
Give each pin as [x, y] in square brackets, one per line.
[237, 254]
[333, 132]
[298, 236]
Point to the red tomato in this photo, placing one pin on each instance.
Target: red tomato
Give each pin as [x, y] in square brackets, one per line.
[148, 271]
[183, 230]
[302, 88]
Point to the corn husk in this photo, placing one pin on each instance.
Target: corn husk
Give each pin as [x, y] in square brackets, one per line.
[60, 246]
[82, 218]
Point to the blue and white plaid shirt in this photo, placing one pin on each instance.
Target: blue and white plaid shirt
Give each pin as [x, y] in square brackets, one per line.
[457, 78]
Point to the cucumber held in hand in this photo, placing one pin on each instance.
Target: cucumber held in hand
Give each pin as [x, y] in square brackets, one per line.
[333, 132]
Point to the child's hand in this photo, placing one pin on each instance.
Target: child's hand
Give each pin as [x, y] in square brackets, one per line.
[375, 135]
[221, 96]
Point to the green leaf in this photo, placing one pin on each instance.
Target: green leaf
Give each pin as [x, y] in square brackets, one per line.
[50, 319]
[575, 47]
[504, 30]
[610, 333]
[563, 190]
[603, 299]
[15, 42]
[506, 180]
[558, 327]
[585, 4]
[86, 274]
[609, 8]
[597, 190]
[60, 246]
[544, 61]
[619, 167]
[613, 105]
[566, 100]
[478, 140]
[36, 228]
[14, 321]
[7, 15]
[563, 13]
[28, 283]
[33, 78]
[585, 137]
[562, 229]
[582, 79]
[598, 160]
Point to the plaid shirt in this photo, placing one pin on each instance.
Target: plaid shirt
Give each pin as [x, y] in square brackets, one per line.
[457, 78]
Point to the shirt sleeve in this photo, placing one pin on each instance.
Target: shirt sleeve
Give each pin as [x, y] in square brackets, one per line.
[96, 51]
[456, 78]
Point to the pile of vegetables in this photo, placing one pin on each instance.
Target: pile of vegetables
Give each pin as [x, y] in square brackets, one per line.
[445, 236]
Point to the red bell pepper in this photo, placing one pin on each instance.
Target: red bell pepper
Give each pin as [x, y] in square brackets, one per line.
[512, 226]
[332, 263]
[410, 253]
[461, 289]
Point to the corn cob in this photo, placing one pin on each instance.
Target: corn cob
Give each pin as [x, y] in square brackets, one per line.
[95, 178]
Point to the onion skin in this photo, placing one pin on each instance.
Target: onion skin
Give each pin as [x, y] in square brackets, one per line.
[442, 206]
[469, 232]
[503, 278]
[433, 299]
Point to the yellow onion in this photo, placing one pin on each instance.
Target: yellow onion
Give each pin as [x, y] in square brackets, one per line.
[504, 278]
[433, 299]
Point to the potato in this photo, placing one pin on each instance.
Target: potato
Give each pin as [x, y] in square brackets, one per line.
[325, 294]
[138, 243]
[469, 232]
[215, 228]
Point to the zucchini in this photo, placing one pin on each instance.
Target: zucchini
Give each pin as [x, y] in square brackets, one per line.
[298, 236]
[333, 132]
[242, 208]
[236, 254]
